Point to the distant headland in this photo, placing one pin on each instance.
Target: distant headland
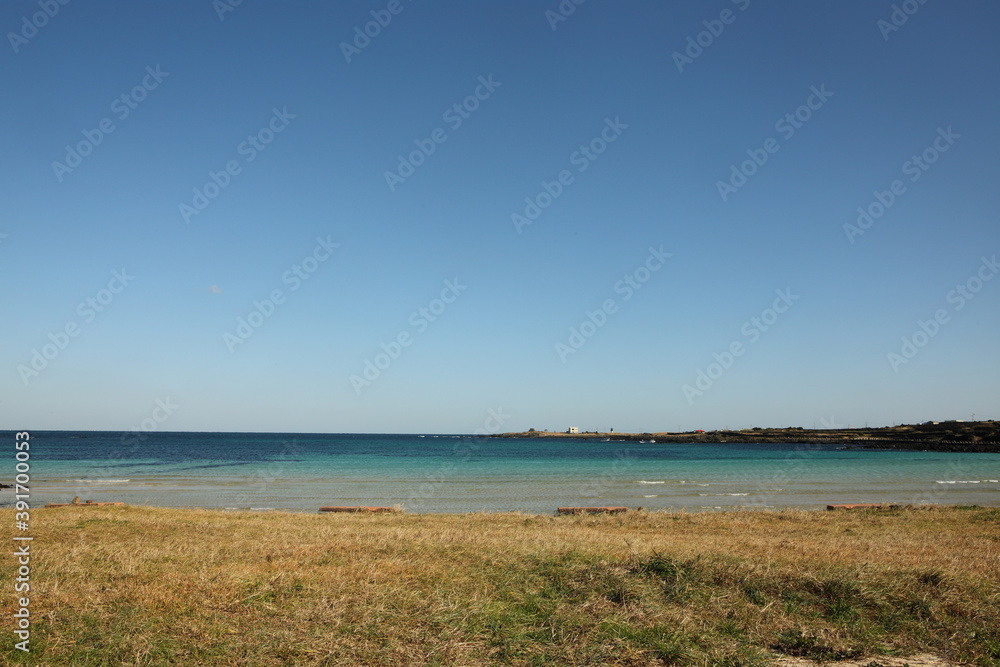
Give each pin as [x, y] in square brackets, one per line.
[948, 436]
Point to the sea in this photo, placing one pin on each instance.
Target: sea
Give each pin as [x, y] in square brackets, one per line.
[458, 474]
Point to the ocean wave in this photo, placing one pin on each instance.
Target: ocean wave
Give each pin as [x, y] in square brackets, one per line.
[642, 481]
[966, 481]
[100, 481]
[723, 494]
[652, 496]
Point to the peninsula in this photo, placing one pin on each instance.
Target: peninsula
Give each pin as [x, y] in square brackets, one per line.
[951, 436]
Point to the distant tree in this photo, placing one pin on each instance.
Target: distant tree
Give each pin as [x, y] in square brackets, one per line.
[531, 430]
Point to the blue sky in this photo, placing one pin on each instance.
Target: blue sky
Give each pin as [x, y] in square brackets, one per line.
[641, 126]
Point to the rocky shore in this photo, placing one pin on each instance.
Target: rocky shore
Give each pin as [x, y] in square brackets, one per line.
[952, 436]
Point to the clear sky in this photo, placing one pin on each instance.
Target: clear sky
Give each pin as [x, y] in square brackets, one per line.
[689, 174]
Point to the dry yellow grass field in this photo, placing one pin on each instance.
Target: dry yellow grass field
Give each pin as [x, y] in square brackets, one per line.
[152, 586]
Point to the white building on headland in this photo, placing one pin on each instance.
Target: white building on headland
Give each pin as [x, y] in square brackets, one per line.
[573, 429]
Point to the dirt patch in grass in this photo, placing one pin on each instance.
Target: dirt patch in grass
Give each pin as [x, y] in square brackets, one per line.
[923, 660]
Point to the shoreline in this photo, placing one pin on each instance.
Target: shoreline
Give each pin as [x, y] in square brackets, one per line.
[858, 506]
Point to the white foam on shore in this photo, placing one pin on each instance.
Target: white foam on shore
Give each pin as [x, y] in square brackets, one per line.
[101, 481]
[966, 481]
[642, 481]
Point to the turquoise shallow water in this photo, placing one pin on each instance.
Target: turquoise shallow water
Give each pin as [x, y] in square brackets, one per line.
[427, 473]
